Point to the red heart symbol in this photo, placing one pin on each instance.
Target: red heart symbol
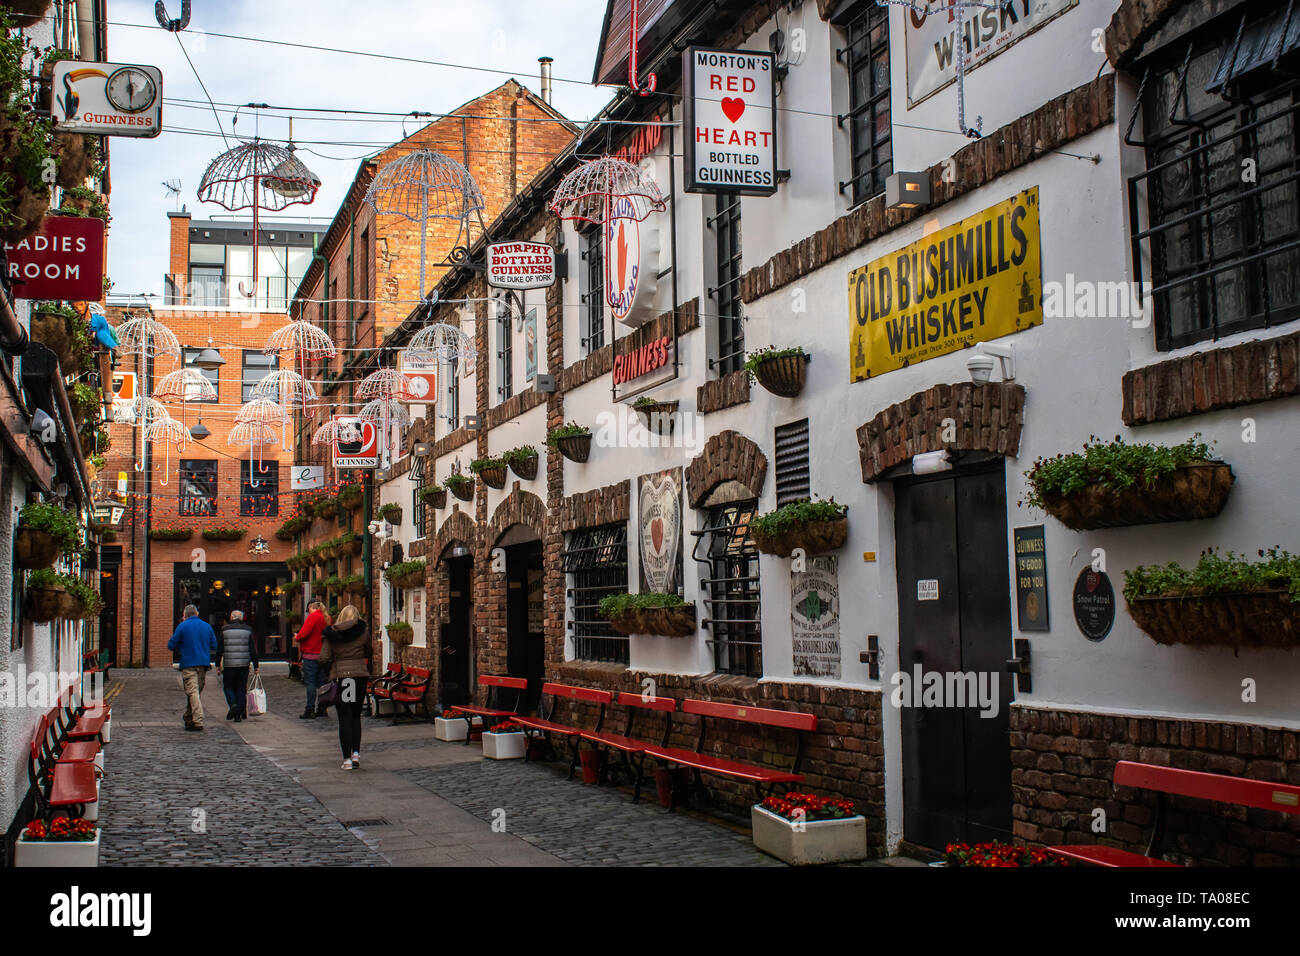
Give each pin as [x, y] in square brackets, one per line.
[657, 533]
[733, 106]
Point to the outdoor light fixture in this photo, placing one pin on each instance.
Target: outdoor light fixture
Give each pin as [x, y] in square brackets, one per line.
[544, 383]
[473, 423]
[907, 191]
[218, 584]
[421, 449]
[980, 364]
[209, 359]
[200, 431]
[931, 462]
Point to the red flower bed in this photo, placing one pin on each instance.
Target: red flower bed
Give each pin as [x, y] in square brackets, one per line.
[999, 854]
[507, 727]
[808, 807]
[60, 828]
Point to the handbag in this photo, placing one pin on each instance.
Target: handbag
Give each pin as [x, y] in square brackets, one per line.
[327, 695]
[256, 700]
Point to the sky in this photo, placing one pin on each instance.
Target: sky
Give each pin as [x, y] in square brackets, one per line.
[506, 36]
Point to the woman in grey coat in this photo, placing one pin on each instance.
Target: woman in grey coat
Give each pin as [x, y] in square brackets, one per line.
[236, 651]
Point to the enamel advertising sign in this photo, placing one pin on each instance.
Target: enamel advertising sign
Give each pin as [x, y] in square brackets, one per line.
[730, 124]
[631, 263]
[977, 280]
[107, 99]
[520, 265]
[660, 513]
[421, 378]
[357, 443]
[65, 260]
[986, 30]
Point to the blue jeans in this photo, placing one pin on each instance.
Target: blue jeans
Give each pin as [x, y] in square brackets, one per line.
[312, 677]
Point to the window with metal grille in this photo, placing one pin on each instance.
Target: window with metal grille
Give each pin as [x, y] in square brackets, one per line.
[198, 492]
[593, 294]
[211, 374]
[259, 488]
[419, 473]
[731, 588]
[452, 405]
[1224, 247]
[256, 367]
[596, 560]
[363, 291]
[726, 295]
[506, 352]
[866, 55]
[792, 473]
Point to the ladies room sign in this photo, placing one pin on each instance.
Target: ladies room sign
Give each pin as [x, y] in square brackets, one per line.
[729, 124]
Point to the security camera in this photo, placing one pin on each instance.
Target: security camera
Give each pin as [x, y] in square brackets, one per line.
[980, 367]
[980, 364]
[374, 527]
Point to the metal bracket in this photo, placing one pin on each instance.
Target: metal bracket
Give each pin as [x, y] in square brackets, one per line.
[871, 656]
[1019, 665]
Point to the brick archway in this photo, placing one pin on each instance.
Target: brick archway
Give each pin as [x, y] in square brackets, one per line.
[490, 588]
[519, 507]
[727, 456]
[960, 417]
[457, 527]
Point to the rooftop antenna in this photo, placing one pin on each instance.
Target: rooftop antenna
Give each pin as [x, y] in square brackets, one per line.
[173, 187]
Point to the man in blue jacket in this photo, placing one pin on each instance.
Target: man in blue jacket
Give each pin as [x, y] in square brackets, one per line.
[196, 641]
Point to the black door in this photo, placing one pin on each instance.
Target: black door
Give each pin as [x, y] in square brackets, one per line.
[111, 560]
[955, 620]
[525, 647]
[455, 633]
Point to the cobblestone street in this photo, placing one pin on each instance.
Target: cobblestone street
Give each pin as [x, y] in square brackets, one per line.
[269, 791]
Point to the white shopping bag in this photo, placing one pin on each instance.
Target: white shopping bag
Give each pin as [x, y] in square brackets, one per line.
[256, 696]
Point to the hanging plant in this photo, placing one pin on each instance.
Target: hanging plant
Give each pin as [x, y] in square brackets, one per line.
[522, 461]
[814, 526]
[462, 486]
[351, 496]
[77, 156]
[392, 512]
[171, 534]
[666, 615]
[224, 534]
[326, 508]
[350, 543]
[86, 402]
[354, 584]
[782, 372]
[54, 326]
[572, 440]
[656, 414]
[436, 495]
[47, 595]
[406, 574]
[84, 202]
[1224, 600]
[491, 471]
[44, 532]
[1117, 484]
[400, 633]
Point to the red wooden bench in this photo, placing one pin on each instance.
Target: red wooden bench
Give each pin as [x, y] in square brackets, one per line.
[80, 723]
[1262, 795]
[94, 662]
[624, 744]
[65, 749]
[701, 763]
[408, 692]
[66, 787]
[547, 726]
[381, 687]
[493, 711]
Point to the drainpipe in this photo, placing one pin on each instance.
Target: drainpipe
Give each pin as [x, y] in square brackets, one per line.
[13, 337]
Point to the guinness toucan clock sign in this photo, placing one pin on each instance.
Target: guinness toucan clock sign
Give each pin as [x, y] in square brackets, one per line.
[107, 99]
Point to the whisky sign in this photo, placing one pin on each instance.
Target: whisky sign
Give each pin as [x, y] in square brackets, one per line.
[976, 280]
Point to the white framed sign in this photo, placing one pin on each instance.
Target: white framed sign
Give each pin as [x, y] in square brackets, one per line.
[729, 124]
[631, 263]
[357, 444]
[930, 39]
[304, 477]
[421, 378]
[107, 99]
[520, 265]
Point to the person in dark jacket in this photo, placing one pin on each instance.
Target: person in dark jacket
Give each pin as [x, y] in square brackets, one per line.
[308, 640]
[345, 657]
[236, 652]
[196, 641]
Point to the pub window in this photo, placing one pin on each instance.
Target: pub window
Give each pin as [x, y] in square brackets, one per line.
[596, 561]
[506, 351]
[593, 294]
[866, 55]
[725, 224]
[1224, 248]
[731, 588]
[256, 366]
[452, 405]
[792, 471]
[419, 473]
[259, 488]
[211, 374]
[198, 491]
[363, 292]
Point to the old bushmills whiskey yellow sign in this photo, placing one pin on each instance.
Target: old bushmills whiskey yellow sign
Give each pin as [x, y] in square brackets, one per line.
[977, 280]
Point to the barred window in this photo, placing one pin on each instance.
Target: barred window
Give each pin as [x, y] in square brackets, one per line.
[870, 131]
[259, 488]
[419, 474]
[731, 588]
[1224, 246]
[726, 296]
[596, 560]
[593, 295]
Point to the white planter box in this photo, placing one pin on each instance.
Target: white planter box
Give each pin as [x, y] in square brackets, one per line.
[818, 841]
[504, 746]
[99, 761]
[104, 731]
[457, 728]
[57, 852]
[92, 809]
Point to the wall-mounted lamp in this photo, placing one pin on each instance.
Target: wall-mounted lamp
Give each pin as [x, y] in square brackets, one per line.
[473, 423]
[907, 190]
[209, 359]
[980, 364]
[544, 384]
[200, 431]
[931, 462]
[421, 449]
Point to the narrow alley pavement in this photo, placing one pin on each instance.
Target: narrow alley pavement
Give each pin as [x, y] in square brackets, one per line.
[269, 792]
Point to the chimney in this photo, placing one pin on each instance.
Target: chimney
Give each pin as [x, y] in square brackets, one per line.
[546, 62]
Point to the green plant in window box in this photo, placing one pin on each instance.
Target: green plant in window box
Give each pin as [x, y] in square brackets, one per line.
[171, 534]
[224, 534]
[814, 526]
[406, 574]
[667, 615]
[85, 202]
[522, 461]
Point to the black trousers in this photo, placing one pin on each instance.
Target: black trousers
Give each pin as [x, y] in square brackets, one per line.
[234, 681]
[352, 694]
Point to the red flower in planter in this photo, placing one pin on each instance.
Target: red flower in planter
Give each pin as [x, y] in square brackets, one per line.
[808, 807]
[507, 727]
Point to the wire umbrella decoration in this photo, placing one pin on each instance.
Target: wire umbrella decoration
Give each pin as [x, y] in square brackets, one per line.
[149, 339]
[291, 390]
[440, 342]
[257, 175]
[427, 185]
[185, 385]
[142, 408]
[168, 432]
[334, 432]
[254, 434]
[389, 388]
[385, 409]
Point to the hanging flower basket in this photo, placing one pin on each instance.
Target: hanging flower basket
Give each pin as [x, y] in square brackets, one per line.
[392, 513]
[44, 603]
[1196, 490]
[329, 550]
[327, 509]
[1261, 618]
[400, 633]
[351, 545]
[408, 574]
[351, 497]
[53, 329]
[354, 584]
[523, 462]
[491, 471]
[575, 447]
[782, 372]
[814, 526]
[35, 549]
[656, 415]
[660, 614]
[462, 486]
[70, 606]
